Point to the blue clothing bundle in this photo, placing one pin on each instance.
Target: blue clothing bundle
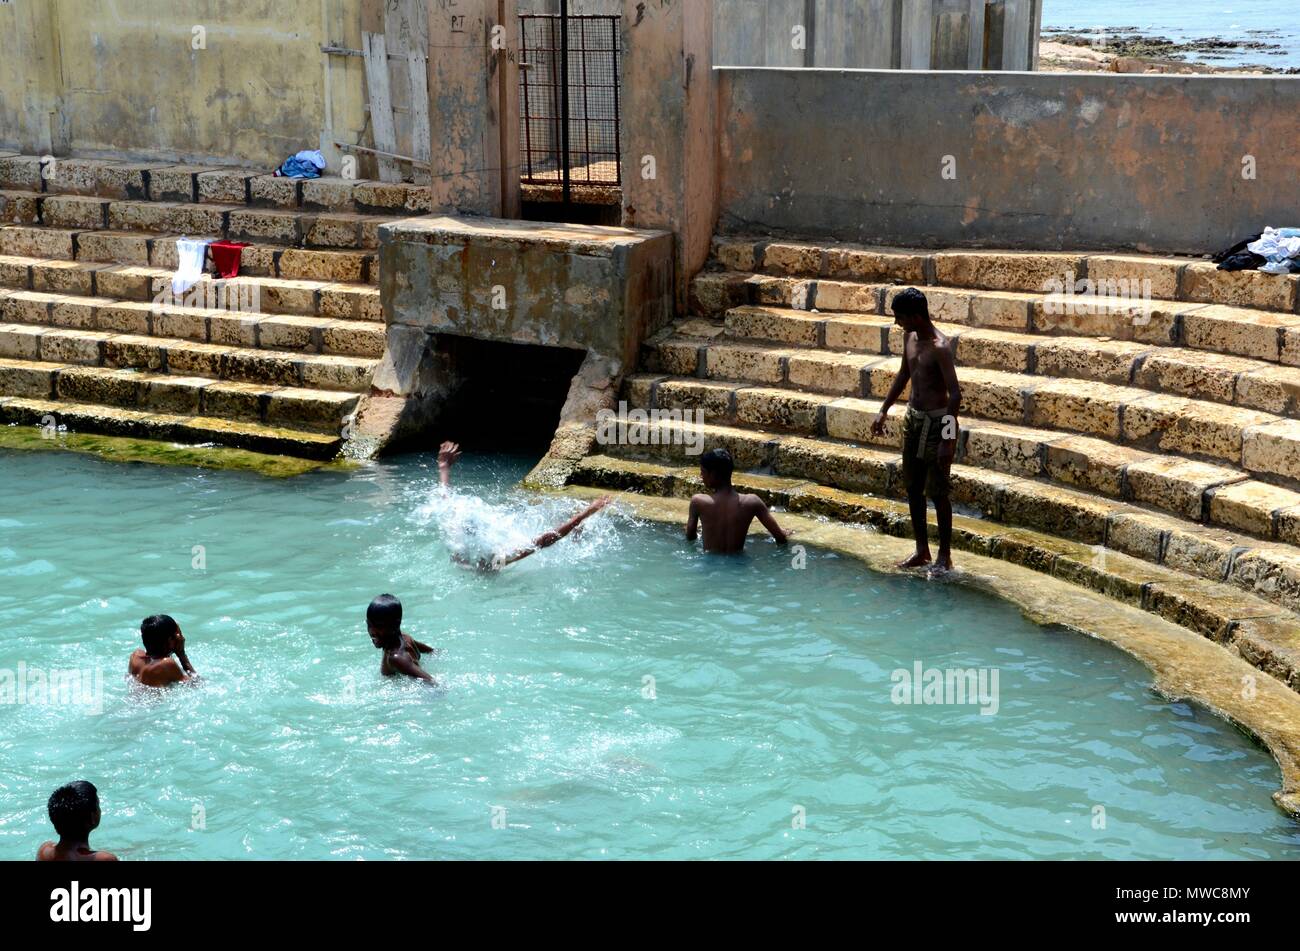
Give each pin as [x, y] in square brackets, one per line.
[306, 164]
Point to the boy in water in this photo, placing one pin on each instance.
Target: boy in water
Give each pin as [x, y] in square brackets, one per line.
[726, 514]
[153, 665]
[930, 428]
[74, 811]
[401, 651]
[447, 457]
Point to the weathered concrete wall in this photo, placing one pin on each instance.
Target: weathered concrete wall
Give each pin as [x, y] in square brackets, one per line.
[575, 286]
[1021, 160]
[125, 78]
[669, 107]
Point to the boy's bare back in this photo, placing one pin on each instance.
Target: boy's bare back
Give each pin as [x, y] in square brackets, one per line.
[725, 517]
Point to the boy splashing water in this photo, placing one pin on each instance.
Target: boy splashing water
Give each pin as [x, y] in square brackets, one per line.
[726, 514]
[475, 522]
[930, 428]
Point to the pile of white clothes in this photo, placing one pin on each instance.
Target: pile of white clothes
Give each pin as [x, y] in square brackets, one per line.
[1280, 247]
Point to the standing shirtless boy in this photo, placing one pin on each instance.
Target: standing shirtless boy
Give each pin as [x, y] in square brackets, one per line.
[930, 427]
[726, 514]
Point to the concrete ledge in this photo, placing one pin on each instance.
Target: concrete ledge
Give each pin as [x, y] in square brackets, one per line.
[588, 288]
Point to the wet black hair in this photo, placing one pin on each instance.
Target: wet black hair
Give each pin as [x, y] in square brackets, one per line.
[911, 302]
[718, 462]
[156, 632]
[385, 614]
[72, 809]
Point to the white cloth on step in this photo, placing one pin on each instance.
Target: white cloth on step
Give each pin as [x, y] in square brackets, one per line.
[1278, 246]
[190, 254]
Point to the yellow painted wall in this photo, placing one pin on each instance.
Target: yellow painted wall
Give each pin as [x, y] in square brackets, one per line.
[123, 78]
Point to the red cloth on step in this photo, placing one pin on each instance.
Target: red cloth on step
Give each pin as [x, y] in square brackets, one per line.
[226, 256]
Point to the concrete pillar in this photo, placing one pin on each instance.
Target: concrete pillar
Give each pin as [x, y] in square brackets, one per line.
[857, 34]
[474, 106]
[1017, 45]
[669, 105]
[917, 34]
[958, 27]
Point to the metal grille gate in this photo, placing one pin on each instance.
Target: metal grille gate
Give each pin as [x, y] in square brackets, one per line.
[569, 101]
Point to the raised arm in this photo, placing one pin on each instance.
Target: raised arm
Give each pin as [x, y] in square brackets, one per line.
[550, 538]
[448, 454]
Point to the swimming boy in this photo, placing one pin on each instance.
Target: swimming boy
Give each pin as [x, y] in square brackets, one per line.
[448, 455]
[153, 665]
[401, 651]
[724, 513]
[930, 427]
[74, 810]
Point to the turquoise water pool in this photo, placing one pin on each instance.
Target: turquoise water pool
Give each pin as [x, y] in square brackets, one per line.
[618, 696]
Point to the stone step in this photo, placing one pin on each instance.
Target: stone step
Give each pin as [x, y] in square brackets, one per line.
[1215, 495]
[1199, 374]
[143, 284]
[171, 427]
[1263, 569]
[298, 408]
[228, 326]
[1263, 444]
[1160, 278]
[159, 251]
[171, 182]
[155, 354]
[1216, 328]
[1264, 633]
[277, 226]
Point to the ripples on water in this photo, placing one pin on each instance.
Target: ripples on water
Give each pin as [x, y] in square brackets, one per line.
[771, 689]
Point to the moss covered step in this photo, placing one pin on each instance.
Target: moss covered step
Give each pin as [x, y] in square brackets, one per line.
[159, 251]
[1264, 444]
[233, 328]
[1159, 277]
[318, 411]
[161, 181]
[191, 430]
[128, 351]
[1238, 381]
[1216, 495]
[142, 283]
[1264, 633]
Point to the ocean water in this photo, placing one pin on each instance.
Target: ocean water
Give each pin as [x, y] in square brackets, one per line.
[1266, 21]
[617, 696]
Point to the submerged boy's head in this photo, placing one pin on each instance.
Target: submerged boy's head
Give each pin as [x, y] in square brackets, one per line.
[716, 468]
[384, 620]
[159, 635]
[911, 309]
[74, 810]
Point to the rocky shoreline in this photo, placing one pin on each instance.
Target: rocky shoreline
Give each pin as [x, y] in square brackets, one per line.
[1128, 50]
